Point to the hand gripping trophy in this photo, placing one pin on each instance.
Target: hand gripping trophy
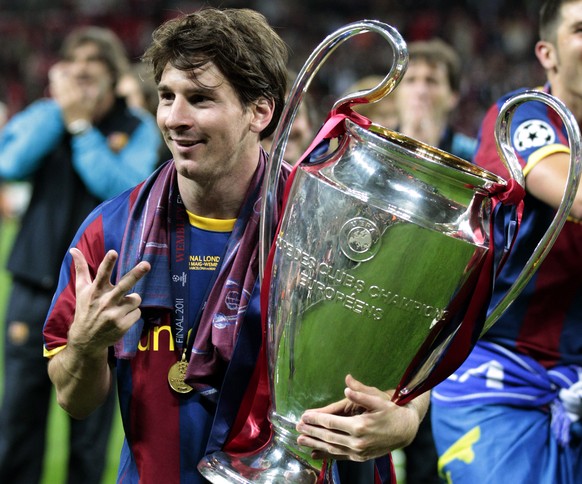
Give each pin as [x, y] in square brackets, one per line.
[383, 262]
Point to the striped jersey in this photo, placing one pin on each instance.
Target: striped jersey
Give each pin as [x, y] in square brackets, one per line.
[166, 433]
[545, 321]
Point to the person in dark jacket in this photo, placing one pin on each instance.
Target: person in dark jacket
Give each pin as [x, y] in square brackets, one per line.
[77, 148]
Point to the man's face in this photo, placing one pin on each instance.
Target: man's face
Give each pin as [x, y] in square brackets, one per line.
[88, 69]
[207, 129]
[425, 90]
[568, 54]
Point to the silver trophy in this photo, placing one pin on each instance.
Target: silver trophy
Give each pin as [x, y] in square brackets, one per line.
[375, 263]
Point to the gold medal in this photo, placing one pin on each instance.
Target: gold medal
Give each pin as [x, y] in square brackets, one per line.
[177, 374]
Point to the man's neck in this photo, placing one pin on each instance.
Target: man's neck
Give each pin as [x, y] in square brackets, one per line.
[572, 100]
[218, 199]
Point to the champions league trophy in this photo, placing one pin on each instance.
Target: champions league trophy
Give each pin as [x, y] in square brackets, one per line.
[377, 265]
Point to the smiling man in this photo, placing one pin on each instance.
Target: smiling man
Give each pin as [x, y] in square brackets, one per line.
[160, 286]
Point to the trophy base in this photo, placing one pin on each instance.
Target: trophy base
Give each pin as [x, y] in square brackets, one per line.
[273, 464]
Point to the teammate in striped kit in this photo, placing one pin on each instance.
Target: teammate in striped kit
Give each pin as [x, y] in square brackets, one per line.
[511, 412]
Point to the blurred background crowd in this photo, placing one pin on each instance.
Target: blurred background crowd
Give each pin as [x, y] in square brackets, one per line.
[494, 39]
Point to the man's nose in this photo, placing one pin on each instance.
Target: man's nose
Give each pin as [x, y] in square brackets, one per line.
[178, 114]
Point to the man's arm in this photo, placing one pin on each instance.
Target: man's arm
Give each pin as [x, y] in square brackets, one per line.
[547, 181]
[104, 313]
[363, 426]
[107, 173]
[28, 137]
[82, 380]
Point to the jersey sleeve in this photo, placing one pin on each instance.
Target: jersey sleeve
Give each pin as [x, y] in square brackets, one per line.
[90, 242]
[102, 231]
[536, 131]
[107, 173]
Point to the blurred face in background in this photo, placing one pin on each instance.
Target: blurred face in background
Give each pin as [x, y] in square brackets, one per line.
[425, 92]
[562, 57]
[383, 112]
[300, 136]
[88, 69]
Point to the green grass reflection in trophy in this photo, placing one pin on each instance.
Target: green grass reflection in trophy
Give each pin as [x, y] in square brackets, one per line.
[377, 262]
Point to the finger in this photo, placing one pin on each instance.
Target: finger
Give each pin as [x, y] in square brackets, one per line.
[370, 398]
[105, 270]
[326, 442]
[129, 280]
[129, 303]
[358, 386]
[320, 455]
[336, 452]
[312, 421]
[335, 407]
[130, 319]
[82, 275]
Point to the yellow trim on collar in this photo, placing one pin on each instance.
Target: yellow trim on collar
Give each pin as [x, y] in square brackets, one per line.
[211, 224]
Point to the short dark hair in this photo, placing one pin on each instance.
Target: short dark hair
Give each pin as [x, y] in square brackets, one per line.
[240, 42]
[550, 17]
[436, 51]
[111, 49]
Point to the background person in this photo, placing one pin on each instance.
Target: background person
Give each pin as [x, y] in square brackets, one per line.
[427, 96]
[383, 112]
[303, 129]
[138, 87]
[77, 148]
[5, 206]
[511, 412]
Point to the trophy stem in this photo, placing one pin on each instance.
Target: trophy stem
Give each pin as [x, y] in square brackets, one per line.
[274, 463]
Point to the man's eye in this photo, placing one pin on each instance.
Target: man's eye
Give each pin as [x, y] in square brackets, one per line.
[199, 98]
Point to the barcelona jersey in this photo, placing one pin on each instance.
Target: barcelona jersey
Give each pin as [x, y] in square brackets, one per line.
[545, 321]
[166, 433]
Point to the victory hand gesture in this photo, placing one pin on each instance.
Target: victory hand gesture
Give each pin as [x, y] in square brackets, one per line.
[104, 311]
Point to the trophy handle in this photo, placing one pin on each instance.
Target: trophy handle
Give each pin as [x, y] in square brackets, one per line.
[502, 137]
[296, 95]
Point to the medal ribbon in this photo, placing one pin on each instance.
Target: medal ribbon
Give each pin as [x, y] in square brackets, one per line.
[184, 327]
[180, 242]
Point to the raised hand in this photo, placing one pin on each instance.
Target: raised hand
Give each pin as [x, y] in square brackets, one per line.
[364, 425]
[104, 311]
[78, 100]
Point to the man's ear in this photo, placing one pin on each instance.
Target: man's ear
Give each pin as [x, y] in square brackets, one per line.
[262, 113]
[547, 55]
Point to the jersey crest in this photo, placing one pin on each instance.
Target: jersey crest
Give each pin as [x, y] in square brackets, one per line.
[533, 133]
